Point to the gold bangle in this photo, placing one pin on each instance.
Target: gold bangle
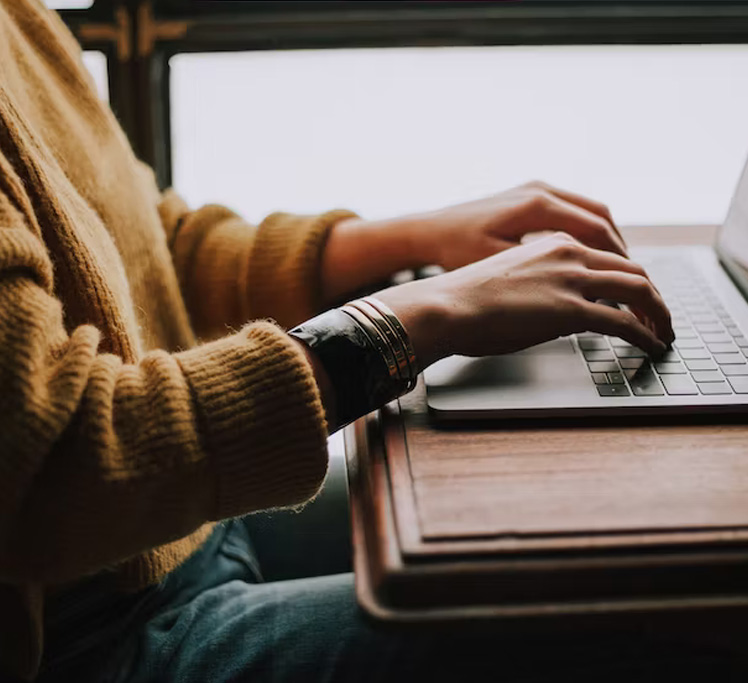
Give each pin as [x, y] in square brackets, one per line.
[389, 325]
[379, 341]
[390, 316]
[392, 335]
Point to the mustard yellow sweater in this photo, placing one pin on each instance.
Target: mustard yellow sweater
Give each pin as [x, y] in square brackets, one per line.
[121, 437]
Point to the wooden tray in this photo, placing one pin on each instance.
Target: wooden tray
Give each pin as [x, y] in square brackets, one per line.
[529, 522]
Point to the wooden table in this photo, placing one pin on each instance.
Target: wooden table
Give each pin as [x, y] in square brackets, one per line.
[432, 506]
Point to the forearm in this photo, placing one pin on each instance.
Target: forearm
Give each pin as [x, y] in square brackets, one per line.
[360, 254]
[231, 272]
[147, 451]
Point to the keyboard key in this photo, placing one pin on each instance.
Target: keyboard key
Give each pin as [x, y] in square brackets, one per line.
[739, 384]
[734, 331]
[593, 344]
[708, 327]
[717, 337]
[694, 354]
[588, 335]
[708, 376]
[723, 348]
[632, 363]
[685, 332]
[598, 355]
[701, 318]
[616, 378]
[602, 367]
[615, 341]
[729, 358]
[630, 352]
[679, 385]
[599, 378]
[735, 369]
[741, 341]
[670, 368]
[701, 365]
[644, 382]
[670, 356]
[716, 388]
[688, 344]
[613, 390]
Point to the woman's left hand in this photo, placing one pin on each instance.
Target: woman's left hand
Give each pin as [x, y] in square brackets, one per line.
[465, 233]
[360, 253]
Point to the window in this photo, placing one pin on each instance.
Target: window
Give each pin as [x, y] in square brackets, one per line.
[69, 4]
[96, 63]
[658, 132]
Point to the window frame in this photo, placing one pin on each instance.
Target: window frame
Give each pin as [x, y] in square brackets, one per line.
[161, 29]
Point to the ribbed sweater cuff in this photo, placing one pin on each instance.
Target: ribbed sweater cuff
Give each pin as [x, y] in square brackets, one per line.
[287, 264]
[261, 419]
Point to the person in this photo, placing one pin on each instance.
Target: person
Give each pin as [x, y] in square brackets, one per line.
[165, 371]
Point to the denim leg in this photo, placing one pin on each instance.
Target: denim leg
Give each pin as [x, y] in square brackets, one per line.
[214, 621]
[312, 629]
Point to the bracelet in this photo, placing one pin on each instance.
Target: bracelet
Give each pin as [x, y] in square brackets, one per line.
[395, 336]
[401, 332]
[366, 353]
[358, 373]
[372, 318]
[377, 341]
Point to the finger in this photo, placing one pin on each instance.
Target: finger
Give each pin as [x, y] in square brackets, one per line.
[615, 322]
[638, 312]
[634, 291]
[587, 227]
[584, 202]
[597, 259]
[604, 260]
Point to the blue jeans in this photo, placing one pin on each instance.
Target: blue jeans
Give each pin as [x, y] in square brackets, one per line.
[214, 620]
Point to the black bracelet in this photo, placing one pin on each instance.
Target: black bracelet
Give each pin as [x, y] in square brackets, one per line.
[357, 370]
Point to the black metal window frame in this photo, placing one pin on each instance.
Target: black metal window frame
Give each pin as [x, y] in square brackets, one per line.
[139, 74]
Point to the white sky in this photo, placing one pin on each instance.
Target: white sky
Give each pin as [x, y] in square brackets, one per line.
[659, 133]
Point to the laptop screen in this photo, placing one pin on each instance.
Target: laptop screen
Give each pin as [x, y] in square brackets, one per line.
[732, 239]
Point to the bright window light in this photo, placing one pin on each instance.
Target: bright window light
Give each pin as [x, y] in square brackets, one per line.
[657, 132]
[68, 4]
[96, 63]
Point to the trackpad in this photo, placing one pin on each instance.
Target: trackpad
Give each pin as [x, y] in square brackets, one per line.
[540, 363]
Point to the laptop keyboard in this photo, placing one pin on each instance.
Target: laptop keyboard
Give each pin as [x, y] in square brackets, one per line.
[708, 356]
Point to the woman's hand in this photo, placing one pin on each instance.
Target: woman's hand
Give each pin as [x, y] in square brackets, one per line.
[361, 253]
[465, 233]
[521, 297]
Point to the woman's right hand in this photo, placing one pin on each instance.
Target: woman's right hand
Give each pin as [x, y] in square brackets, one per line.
[548, 288]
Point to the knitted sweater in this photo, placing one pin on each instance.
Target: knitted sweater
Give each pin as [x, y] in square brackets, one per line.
[121, 436]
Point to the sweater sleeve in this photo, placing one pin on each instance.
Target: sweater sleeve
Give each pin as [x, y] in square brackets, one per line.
[230, 271]
[101, 460]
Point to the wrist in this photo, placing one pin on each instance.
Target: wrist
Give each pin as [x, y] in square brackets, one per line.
[360, 254]
[424, 310]
[413, 238]
[361, 357]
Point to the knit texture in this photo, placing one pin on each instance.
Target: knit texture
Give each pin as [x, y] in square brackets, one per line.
[136, 404]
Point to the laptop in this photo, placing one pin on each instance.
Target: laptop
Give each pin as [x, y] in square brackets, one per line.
[588, 374]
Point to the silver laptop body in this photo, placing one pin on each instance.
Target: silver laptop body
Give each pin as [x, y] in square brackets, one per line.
[707, 370]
